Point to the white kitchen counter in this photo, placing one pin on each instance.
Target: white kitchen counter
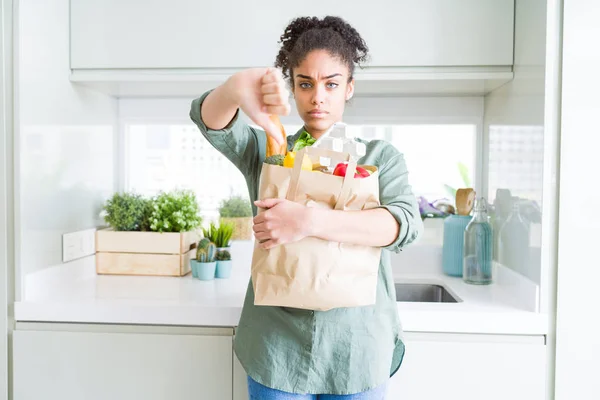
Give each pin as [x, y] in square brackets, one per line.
[73, 292]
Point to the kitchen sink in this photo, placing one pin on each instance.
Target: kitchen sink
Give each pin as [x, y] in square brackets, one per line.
[424, 293]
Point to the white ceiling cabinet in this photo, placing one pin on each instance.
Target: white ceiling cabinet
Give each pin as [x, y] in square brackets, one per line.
[236, 34]
[178, 41]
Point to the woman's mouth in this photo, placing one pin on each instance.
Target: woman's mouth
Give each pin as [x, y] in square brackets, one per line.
[317, 113]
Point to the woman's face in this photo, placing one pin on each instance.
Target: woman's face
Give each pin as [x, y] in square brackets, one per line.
[321, 90]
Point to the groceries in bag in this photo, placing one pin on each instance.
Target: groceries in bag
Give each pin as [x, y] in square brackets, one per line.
[314, 273]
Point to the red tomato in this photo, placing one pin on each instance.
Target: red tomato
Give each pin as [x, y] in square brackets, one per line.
[340, 170]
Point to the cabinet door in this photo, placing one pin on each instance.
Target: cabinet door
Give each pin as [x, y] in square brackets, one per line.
[470, 367]
[54, 365]
[237, 34]
[240, 381]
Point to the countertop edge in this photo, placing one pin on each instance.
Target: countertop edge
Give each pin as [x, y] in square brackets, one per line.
[506, 323]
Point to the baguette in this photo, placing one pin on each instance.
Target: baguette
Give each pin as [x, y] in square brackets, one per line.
[272, 147]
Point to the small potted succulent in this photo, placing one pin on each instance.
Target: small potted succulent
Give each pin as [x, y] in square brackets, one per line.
[205, 265]
[224, 264]
[237, 210]
[220, 235]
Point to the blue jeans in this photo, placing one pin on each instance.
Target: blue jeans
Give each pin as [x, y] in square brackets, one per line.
[256, 391]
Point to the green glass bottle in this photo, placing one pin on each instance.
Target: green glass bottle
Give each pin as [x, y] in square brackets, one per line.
[478, 246]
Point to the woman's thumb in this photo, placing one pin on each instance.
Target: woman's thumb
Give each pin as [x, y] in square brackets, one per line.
[270, 127]
[268, 203]
[272, 71]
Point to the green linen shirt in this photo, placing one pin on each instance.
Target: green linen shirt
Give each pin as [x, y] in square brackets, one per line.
[343, 350]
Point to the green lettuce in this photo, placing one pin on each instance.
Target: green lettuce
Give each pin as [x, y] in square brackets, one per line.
[304, 140]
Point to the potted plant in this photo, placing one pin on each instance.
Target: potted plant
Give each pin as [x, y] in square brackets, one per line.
[148, 236]
[224, 264]
[220, 235]
[237, 211]
[126, 211]
[204, 265]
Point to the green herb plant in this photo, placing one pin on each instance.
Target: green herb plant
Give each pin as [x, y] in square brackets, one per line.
[175, 211]
[235, 207]
[220, 235]
[126, 211]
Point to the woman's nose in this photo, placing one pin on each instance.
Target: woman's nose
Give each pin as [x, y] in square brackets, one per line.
[318, 95]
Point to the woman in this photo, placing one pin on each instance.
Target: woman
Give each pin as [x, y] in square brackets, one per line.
[288, 353]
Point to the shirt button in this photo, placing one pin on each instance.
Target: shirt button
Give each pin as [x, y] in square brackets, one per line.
[307, 347]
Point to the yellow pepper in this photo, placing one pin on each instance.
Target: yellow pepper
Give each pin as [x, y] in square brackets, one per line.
[290, 157]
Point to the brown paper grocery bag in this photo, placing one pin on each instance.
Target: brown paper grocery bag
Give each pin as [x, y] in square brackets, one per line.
[313, 273]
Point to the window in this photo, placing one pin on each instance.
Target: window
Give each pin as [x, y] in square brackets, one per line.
[168, 156]
[435, 154]
[516, 160]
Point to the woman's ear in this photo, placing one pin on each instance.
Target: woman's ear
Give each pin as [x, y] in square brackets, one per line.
[350, 90]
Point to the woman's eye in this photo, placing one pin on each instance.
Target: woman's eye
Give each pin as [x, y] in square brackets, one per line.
[305, 85]
[332, 85]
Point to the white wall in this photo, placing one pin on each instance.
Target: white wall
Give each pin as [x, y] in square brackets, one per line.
[65, 138]
[6, 196]
[577, 345]
[361, 109]
[514, 135]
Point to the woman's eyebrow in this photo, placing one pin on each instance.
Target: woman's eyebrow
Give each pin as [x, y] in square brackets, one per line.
[310, 78]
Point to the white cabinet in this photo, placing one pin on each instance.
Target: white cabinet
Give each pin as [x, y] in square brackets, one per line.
[66, 365]
[459, 366]
[93, 362]
[180, 34]
[471, 367]
[240, 381]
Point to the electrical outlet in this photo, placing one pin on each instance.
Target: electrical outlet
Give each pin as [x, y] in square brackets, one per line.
[78, 244]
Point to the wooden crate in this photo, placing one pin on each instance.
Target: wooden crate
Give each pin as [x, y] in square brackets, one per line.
[145, 253]
[242, 227]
